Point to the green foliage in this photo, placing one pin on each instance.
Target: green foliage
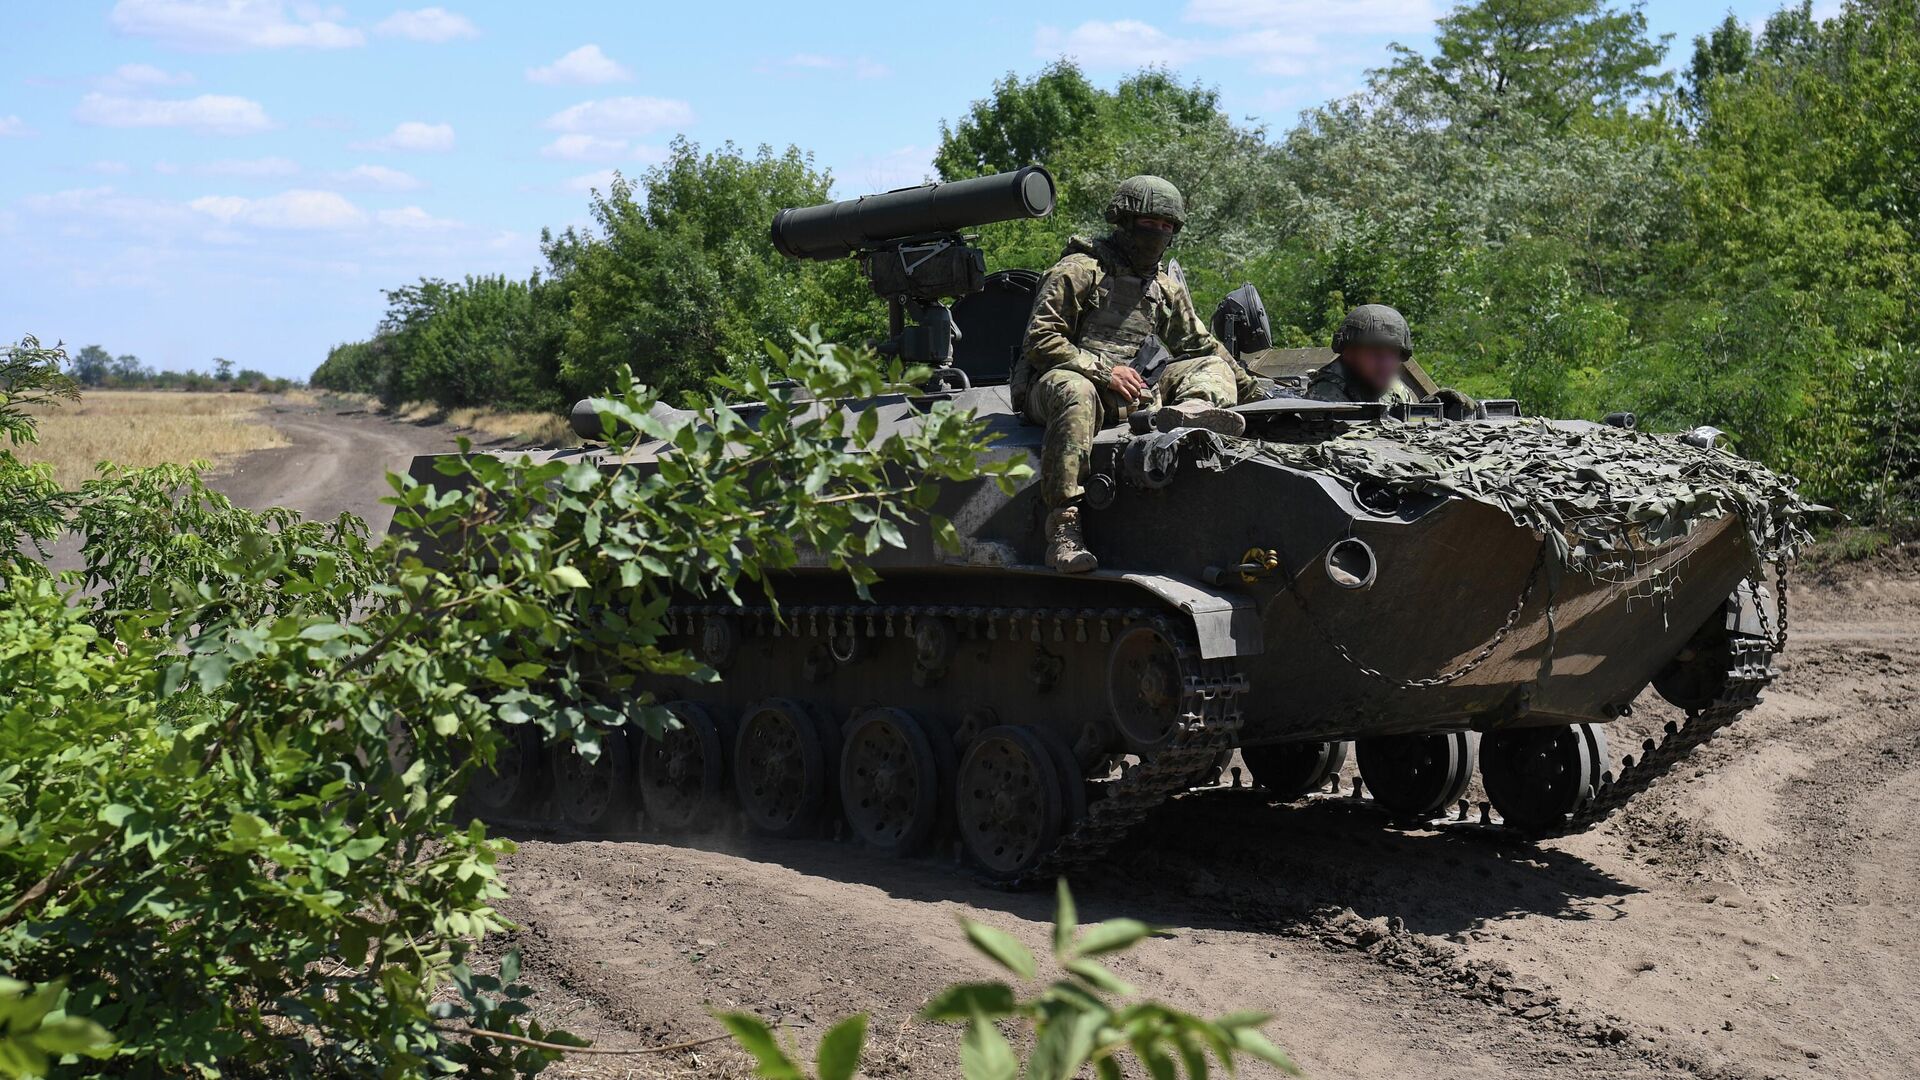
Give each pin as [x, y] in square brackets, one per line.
[1554, 60]
[32, 506]
[1079, 1020]
[228, 777]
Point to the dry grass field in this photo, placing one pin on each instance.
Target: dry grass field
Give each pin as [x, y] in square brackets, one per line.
[136, 427]
[523, 428]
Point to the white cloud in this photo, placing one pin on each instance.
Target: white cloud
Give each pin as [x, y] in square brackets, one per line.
[593, 181]
[296, 209]
[249, 167]
[108, 168]
[13, 125]
[142, 77]
[216, 114]
[1121, 43]
[434, 24]
[412, 217]
[413, 135]
[622, 116]
[1306, 16]
[232, 25]
[584, 66]
[380, 177]
[584, 148]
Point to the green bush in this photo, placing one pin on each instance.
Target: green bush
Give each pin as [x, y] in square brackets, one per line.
[228, 776]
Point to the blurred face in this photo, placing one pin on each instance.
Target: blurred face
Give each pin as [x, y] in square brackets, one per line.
[1375, 365]
[1155, 224]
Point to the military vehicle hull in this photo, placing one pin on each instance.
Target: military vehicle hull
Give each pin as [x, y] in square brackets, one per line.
[1243, 601]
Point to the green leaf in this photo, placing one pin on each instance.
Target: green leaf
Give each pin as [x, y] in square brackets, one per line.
[1249, 1041]
[1098, 977]
[839, 1053]
[1065, 919]
[757, 1039]
[1001, 947]
[985, 1054]
[963, 1001]
[1112, 936]
[567, 577]
[74, 1035]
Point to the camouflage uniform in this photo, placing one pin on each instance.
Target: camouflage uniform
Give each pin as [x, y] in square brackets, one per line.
[1091, 314]
[1333, 383]
[1368, 324]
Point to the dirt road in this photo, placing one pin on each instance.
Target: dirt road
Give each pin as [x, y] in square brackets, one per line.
[338, 461]
[1750, 916]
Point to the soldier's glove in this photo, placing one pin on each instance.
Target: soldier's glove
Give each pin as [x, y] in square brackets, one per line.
[1457, 405]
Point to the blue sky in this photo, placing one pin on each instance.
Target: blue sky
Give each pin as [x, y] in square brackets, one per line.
[185, 179]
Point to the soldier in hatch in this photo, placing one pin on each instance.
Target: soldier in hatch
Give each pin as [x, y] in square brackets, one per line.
[1371, 350]
[1103, 319]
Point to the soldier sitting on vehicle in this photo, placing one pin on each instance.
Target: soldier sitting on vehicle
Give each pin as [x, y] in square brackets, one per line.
[1113, 331]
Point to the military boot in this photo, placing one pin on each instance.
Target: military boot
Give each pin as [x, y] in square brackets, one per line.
[1066, 548]
[1199, 414]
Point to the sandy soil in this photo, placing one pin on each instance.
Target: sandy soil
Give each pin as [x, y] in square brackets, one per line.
[1750, 916]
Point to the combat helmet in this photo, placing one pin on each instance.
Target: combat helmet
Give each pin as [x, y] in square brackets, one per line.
[1374, 324]
[1148, 196]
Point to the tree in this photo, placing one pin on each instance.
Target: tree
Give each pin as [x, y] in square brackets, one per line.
[1552, 60]
[1020, 123]
[222, 369]
[1723, 53]
[91, 366]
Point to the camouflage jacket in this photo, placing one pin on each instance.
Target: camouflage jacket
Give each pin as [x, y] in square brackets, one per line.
[1088, 275]
[1332, 383]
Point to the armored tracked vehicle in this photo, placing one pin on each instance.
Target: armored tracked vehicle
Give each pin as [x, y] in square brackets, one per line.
[1437, 595]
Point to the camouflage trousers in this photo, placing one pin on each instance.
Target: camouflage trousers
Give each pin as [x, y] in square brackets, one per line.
[1072, 409]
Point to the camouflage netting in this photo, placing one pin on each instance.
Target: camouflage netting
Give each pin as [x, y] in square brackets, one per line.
[1602, 495]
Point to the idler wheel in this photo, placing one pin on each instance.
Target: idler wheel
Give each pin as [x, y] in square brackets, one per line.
[781, 762]
[1291, 770]
[1143, 688]
[893, 780]
[682, 775]
[595, 796]
[517, 779]
[1008, 802]
[1415, 777]
[1539, 777]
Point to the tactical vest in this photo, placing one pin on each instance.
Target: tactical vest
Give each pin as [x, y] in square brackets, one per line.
[1124, 310]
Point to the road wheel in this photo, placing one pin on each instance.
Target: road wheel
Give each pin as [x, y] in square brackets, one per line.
[780, 772]
[891, 783]
[1008, 802]
[1416, 777]
[1292, 770]
[682, 775]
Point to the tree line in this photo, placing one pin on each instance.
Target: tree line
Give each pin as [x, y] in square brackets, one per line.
[96, 368]
[1561, 220]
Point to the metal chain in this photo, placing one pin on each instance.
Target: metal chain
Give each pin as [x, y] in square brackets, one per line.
[1775, 641]
[1486, 651]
